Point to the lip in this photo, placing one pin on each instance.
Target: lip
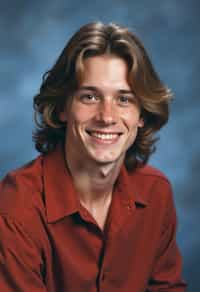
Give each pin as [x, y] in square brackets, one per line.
[99, 137]
[104, 132]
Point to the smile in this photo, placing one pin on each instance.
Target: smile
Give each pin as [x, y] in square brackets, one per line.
[104, 136]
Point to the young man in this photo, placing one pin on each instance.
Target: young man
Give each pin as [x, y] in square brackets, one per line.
[89, 214]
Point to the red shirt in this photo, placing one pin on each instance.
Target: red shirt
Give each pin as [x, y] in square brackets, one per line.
[49, 242]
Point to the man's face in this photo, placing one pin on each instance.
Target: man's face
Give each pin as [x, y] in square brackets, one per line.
[103, 116]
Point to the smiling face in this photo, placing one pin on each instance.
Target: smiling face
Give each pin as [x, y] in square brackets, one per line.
[103, 116]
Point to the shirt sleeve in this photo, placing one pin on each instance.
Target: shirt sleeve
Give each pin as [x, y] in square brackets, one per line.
[167, 269]
[21, 265]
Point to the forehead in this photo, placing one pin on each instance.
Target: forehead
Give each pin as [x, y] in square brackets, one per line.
[105, 71]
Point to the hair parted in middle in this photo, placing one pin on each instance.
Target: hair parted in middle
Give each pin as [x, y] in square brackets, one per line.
[62, 81]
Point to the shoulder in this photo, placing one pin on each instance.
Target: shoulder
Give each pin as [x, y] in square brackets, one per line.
[22, 211]
[151, 172]
[151, 184]
[21, 189]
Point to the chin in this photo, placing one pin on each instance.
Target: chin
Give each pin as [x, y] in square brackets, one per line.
[106, 159]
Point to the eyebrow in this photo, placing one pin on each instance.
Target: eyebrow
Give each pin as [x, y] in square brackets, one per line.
[97, 90]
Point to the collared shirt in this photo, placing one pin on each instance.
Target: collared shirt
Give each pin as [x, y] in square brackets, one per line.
[50, 242]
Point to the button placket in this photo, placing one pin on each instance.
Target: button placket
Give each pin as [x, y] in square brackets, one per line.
[105, 275]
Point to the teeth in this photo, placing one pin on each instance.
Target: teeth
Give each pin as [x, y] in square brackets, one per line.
[104, 136]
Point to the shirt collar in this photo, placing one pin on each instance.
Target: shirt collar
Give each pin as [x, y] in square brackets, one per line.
[60, 195]
[128, 184]
[61, 198]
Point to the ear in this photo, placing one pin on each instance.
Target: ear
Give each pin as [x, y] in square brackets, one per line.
[141, 123]
[63, 115]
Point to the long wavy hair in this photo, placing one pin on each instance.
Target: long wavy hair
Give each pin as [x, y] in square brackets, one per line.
[62, 80]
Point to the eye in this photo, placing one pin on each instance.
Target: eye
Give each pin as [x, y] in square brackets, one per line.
[89, 98]
[124, 100]
[127, 99]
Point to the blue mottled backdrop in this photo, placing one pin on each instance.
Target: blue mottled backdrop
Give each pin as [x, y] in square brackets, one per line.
[32, 34]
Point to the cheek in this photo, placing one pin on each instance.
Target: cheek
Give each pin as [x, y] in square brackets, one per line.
[132, 136]
[78, 120]
[81, 113]
[131, 120]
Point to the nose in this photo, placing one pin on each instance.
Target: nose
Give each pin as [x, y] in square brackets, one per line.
[107, 112]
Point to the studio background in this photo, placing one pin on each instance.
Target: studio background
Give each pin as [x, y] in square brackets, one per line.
[32, 35]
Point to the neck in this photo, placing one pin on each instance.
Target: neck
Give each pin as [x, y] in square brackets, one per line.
[93, 181]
